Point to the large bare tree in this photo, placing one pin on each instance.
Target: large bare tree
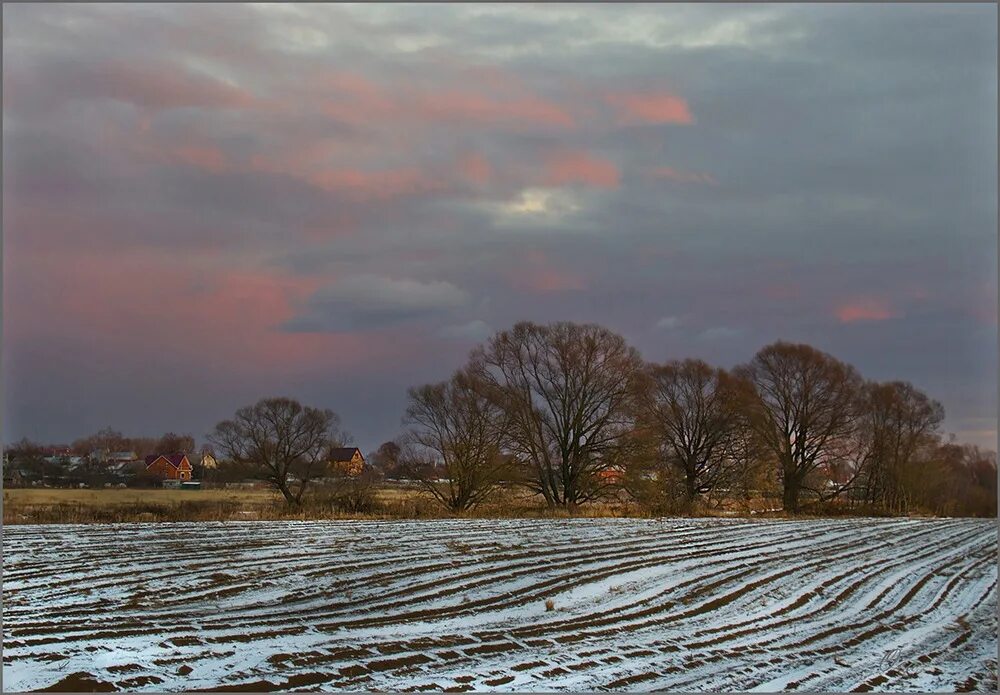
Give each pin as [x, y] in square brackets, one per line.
[804, 404]
[455, 423]
[690, 409]
[896, 421]
[565, 389]
[280, 441]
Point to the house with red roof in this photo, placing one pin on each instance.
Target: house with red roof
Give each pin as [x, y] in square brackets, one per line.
[347, 460]
[169, 466]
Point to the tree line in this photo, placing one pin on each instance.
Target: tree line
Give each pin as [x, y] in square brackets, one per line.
[573, 413]
[49, 465]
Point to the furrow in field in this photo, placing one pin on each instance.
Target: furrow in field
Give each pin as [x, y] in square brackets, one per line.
[500, 645]
[811, 597]
[680, 605]
[815, 612]
[902, 585]
[257, 617]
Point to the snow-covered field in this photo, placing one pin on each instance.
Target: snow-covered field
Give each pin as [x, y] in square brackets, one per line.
[677, 604]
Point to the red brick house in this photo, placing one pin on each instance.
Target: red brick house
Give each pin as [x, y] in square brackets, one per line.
[347, 460]
[611, 476]
[169, 466]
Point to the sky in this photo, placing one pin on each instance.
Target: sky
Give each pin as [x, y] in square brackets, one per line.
[204, 205]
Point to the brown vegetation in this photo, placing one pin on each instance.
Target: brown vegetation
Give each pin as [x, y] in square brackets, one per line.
[564, 390]
[280, 441]
[566, 419]
[456, 423]
[582, 417]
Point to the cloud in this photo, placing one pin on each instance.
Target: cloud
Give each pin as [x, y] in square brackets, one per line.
[681, 176]
[864, 309]
[650, 107]
[475, 330]
[150, 86]
[470, 107]
[720, 333]
[560, 162]
[569, 167]
[475, 167]
[667, 323]
[536, 273]
[535, 206]
[359, 302]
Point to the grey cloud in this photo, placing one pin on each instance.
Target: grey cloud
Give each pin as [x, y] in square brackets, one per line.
[854, 149]
[475, 330]
[369, 301]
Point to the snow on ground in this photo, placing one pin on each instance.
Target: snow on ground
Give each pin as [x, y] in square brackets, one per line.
[674, 604]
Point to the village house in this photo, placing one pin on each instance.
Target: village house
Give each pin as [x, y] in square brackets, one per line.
[59, 454]
[347, 460]
[611, 476]
[169, 466]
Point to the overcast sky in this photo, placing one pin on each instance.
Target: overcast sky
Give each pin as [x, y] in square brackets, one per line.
[208, 204]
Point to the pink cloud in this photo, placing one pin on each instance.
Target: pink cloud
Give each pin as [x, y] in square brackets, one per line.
[233, 315]
[682, 176]
[398, 116]
[475, 167]
[552, 280]
[493, 98]
[650, 107]
[567, 167]
[781, 291]
[374, 185]
[471, 107]
[164, 87]
[537, 273]
[353, 98]
[208, 158]
[864, 309]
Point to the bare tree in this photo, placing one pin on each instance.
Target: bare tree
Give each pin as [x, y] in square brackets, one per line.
[749, 472]
[565, 389]
[98, 446]
[804, 404]
[386, 459]
[692, 412]
[281, 441]
[896, 420]
[454, 422]
[171, 443]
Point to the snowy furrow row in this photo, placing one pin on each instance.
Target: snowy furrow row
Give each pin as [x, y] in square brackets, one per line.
[679, 604]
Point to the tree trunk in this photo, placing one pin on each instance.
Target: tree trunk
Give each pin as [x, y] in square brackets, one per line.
[301, 492]
[691, 486]
[790, 498]
[283, 488]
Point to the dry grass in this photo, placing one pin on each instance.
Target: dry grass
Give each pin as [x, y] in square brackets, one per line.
[22, 506]
[117, 497]
[68, 506]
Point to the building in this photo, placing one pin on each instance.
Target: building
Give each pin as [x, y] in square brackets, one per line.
[347, 460]
[57, 454]
[169, 466]
[611, 476]
[127, 471]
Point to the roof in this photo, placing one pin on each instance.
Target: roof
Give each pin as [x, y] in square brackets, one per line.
[173, 459]
[124, 467]
[343, 453]
[56, 451]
